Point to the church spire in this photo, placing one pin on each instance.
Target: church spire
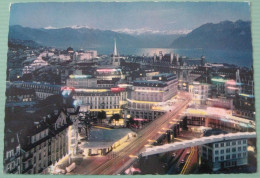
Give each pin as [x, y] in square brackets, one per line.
[115, 50]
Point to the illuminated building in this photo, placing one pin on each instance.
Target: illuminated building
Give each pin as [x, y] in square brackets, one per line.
[102, 78]
[87, 55]
[81, 81]
[109, 73]
[218, 86]
[108, 100]
[146, 95]
[200, 92]
[225, 154]
[232, 88]
[36, 64]
[220, 102]
[244, 101]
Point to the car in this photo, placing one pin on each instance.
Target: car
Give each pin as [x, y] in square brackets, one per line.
[182, 161]
[188, 152]
[174, 154]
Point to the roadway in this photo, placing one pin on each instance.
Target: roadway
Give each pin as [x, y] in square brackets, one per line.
[117, 163]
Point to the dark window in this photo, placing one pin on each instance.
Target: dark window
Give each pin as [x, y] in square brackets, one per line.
[234, 149]
[228, 150]
[216, 152]
[216, 158]
[222, 151]
[239, 155]
[233, 156]
[228, 157]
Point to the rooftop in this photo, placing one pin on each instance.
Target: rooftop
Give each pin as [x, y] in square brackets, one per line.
[102, 138]
[149, 83]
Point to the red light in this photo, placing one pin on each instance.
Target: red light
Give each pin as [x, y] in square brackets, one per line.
[231, 82]
[68, 88]
[117, 89]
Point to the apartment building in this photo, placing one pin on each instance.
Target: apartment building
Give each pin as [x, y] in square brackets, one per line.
[225, 154]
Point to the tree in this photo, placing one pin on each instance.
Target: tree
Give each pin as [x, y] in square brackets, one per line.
[101, 115]
[116, 117]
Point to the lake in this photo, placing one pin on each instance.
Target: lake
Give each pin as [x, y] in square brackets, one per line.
[240, 58]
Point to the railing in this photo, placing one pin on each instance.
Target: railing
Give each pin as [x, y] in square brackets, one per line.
[27, 169]
[12, 157]
[12, 171]
[28, 157]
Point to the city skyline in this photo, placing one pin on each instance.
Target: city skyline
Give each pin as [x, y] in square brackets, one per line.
[187, 108]
[128, 17]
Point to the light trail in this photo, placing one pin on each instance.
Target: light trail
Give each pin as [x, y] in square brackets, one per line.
[188, 161]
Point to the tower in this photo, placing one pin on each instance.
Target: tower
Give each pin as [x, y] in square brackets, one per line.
[238, 80]
[115, 50]
[171, 57]
[115, 56]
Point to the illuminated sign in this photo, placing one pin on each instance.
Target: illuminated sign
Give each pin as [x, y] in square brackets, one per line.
[233, 88]
[80, 76]
[139, 119]
[68, 88]
[221, 80]
[149, 91]
[142, 102]
[124, 85]
[92, 90]
[117, 89]
[108, 70]
[231, 82]
[246, 95]
[200, 112]
[157, 108]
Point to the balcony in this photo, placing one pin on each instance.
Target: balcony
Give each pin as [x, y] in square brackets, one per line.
[27, 169]
[7, 160]
[13, 171]
[28, 157]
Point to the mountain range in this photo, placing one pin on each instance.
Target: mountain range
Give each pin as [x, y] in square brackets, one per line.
[223, 35]
[89, 38]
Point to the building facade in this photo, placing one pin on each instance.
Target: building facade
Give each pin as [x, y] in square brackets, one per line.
[42, 90]
[225, 154]
[146, 95]
[200, 92]
[37, 148]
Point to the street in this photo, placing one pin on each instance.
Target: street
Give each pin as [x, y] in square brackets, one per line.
[116, 164]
